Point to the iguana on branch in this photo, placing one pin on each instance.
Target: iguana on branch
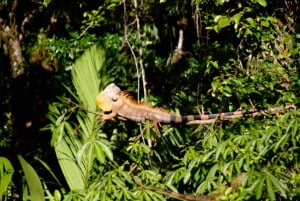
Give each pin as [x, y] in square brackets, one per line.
[117, 103]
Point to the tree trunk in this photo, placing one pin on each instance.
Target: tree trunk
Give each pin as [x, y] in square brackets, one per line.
[10, 40]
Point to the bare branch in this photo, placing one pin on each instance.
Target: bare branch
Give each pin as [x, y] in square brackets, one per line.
[268, 112]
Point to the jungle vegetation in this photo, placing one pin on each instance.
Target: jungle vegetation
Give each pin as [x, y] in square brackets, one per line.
[187, 56]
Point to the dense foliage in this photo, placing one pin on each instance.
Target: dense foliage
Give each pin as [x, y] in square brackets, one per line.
[184, 55]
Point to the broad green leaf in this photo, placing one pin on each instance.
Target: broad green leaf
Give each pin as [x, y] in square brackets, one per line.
[34, 183]
[72, 171]
[6, 173]
[85, 75]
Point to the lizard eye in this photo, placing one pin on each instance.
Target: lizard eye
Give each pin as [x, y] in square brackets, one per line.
[114, 99]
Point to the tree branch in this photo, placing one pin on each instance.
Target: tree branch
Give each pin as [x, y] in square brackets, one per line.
[268, 112]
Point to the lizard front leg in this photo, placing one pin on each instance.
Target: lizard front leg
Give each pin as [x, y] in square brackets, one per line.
[108, 116]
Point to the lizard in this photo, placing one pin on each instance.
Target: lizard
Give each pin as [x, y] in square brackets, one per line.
[117, 103]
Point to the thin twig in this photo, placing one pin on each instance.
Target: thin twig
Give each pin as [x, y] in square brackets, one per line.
[82, 108]
[140, 50]
[131, 49]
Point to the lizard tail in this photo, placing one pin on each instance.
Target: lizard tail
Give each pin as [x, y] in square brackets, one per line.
[188, 118]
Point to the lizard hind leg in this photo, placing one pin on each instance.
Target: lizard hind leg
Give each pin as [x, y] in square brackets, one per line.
[152, 132]
[156, 126]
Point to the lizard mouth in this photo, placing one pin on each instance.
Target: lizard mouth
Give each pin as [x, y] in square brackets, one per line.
[102, 102]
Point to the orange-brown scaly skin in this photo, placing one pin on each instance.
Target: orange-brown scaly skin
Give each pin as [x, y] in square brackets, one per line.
[117, 103]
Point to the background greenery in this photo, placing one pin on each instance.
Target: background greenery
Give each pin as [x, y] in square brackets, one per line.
[57, 55]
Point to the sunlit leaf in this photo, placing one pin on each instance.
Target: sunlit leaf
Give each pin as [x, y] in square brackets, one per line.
[270, 189]
[259, 187]
[73, 171]
[207, 156]
[187, 177]
[106, 149]
[99, 153]
[262, 2]
[278, 184]
[251, 21]
[36, 191]
[265, 23]
[6, 173]
[223, 22]
[85, 75]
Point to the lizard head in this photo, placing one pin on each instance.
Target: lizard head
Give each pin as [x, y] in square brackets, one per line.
[108, 97]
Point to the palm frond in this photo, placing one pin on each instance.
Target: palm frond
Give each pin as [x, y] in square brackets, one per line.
[86, 75]
[73, 159]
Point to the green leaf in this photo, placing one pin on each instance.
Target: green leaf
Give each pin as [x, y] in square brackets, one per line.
[227, 91]
[236, 18]
[36, 191]
[187, 177]
[213, 170]
[73, 172]
[281, 142]
[259, 187]
[6, 173]
[57, 195]
[265, 23]
[99, 153]
[220, 149]
[207, 156]
[262, 2]
[85, 75]
[270, 189]
[251, 21]
[215, 85]
[223, 22]
[106, 149]
[278, 184]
